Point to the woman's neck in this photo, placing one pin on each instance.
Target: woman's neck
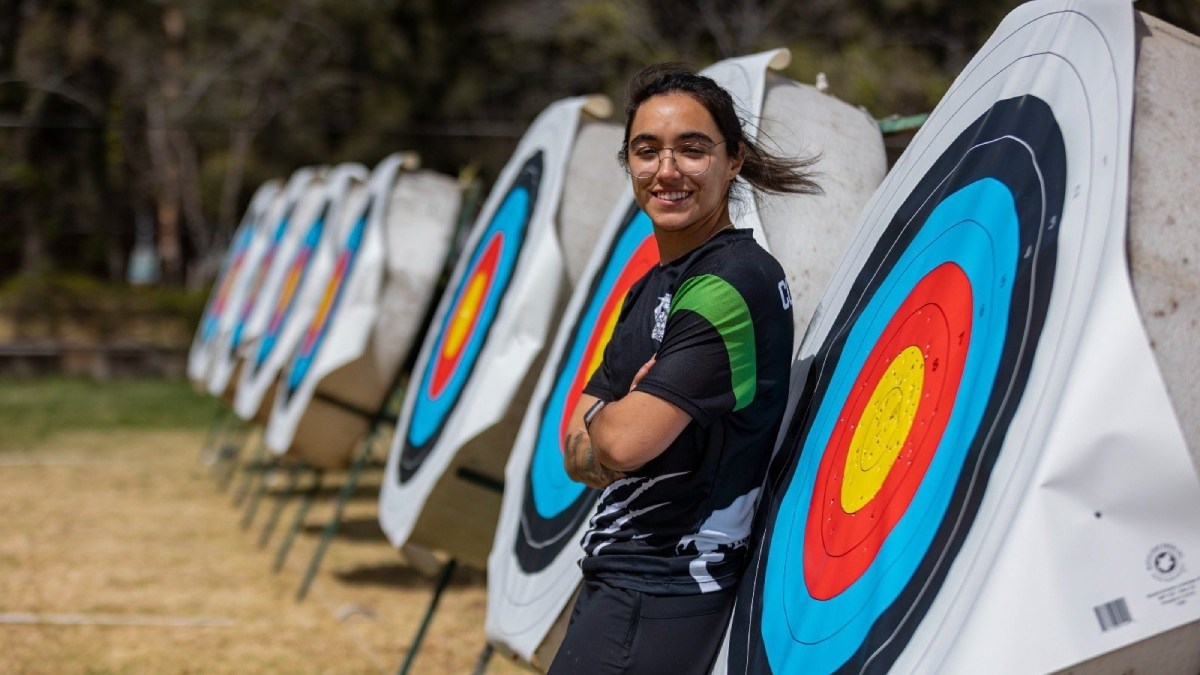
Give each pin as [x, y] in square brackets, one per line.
[673, 245]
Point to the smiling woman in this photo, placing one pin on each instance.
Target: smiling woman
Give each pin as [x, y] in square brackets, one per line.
[677, 421]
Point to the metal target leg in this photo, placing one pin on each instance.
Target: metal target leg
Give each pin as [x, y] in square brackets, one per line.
[281, 500]
[485, 655]
[442, 582]
[215, 436]
[265, 470]
[228, 457]
[335, 520]
[297, 522]
[248, 472]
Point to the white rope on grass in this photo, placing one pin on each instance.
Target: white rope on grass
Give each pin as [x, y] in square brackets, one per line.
[29, 618]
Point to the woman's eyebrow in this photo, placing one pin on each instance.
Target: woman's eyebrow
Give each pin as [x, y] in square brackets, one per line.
[684, 137]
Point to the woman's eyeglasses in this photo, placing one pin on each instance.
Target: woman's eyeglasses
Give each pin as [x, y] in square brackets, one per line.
[691, 159]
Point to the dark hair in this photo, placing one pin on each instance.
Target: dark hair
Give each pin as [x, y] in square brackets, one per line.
[762, 169]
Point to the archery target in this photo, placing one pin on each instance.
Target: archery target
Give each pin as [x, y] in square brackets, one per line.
[475, 373]
[462, 331]
[331, 297]
[301, 267]
[347, 359]
[200, 355]
[532, 568]
[247, 292]
[931, 375]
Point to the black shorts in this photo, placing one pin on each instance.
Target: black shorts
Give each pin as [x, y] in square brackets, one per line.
[616, 630]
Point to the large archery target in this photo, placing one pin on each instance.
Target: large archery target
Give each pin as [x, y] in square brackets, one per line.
[200, 354]
[477, 365]
[939, 354]
[234, 328]
[368, 315]
[289, 292]
[959, 294]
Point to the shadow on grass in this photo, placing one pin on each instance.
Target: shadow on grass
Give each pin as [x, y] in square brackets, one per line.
[400, 575]
[351, 529]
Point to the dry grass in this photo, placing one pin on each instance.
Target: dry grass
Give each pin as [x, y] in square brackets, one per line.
[127, 526]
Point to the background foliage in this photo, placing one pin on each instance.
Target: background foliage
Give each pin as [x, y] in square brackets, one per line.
[125, 120]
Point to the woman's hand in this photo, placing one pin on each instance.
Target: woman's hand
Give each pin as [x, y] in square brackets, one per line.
[641, 373]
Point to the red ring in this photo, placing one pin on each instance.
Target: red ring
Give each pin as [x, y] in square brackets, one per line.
[935, 317]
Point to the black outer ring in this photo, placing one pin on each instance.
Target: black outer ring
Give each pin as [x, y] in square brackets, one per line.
[997, 145]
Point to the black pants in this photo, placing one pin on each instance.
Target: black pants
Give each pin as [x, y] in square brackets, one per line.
[615, 630]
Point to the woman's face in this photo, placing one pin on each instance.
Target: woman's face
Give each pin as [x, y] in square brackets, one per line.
[674, 201]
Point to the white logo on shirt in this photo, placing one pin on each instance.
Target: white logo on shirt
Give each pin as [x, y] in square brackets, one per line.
[660, 317]
[785, 294]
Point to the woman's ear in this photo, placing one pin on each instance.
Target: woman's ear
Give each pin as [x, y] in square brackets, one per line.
[735, 165]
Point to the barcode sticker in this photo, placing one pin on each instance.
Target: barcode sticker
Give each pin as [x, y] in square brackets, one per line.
[1113, 614]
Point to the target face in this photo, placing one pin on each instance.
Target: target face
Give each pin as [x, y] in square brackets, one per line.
[286, 298]
[462, 331]
[554, 506]
[256, 283]
[879, 476]
[314, 335]
[220, 300]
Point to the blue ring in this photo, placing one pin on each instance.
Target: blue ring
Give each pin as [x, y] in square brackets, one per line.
[977, 228]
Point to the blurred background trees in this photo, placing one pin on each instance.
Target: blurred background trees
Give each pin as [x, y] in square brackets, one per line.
[132, 122]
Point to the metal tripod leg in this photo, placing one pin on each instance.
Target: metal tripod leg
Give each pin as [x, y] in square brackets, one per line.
[281, 500]
[298, 521]
[336, 519]
[442, 582]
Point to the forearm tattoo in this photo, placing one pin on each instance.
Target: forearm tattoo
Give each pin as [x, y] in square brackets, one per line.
[582, 464]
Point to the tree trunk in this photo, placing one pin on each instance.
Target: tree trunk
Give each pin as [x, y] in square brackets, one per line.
[167, 170]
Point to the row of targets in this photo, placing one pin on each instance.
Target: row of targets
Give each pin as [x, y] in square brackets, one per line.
[320, 300]
[984, 466]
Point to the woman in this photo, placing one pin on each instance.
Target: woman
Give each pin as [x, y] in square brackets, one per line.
[677, 424]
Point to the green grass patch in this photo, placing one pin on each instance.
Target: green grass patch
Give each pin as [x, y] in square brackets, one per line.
[33, 409]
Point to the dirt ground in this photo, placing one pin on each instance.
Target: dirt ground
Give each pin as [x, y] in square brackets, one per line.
[120, 554]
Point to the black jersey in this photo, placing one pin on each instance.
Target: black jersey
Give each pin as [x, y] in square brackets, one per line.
[719, 320]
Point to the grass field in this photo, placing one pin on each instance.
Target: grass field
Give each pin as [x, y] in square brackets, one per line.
[120, 554]
[31, 410]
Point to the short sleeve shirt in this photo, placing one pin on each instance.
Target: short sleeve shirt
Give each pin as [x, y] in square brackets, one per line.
[719, 322]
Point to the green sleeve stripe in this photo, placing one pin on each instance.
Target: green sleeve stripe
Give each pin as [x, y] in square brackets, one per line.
[722, 306]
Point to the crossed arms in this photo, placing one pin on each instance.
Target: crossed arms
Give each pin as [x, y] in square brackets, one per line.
[622, 437]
